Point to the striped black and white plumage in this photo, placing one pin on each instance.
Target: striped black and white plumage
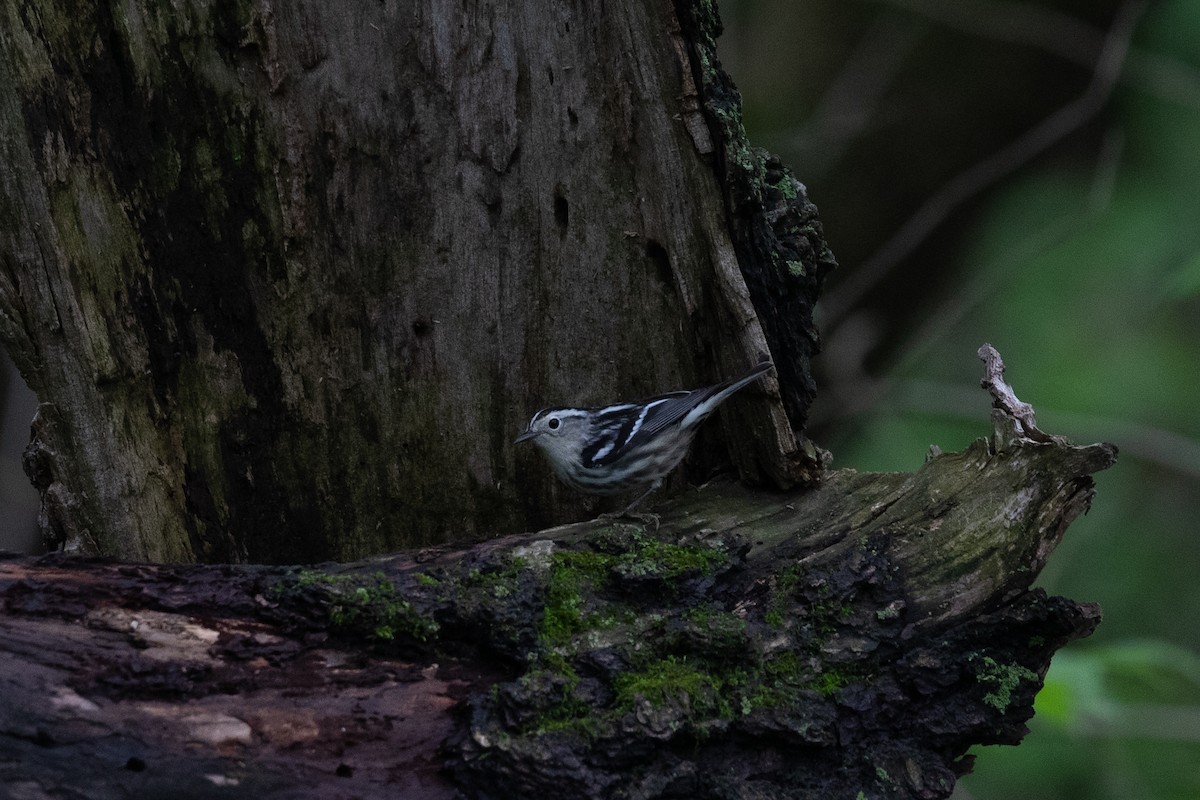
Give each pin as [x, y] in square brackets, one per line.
[629, 445]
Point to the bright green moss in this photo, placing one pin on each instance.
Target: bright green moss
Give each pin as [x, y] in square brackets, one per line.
[495, 583]
[781, 600]
[718, 631]
[579, 578]
[637, 554]
[831, 682]
[368, 605]
[1003, 680]
[572, 574]
[672, 680]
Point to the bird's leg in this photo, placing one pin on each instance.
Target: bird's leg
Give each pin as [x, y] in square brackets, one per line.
[645, 519]
[641, 497]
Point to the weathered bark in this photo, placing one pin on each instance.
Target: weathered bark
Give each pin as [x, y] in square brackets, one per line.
[288, 279]
[851, 640]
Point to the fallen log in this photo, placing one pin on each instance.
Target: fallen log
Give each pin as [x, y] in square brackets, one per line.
[854, 639]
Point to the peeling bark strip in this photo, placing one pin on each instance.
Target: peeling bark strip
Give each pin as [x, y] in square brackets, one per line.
[852, 640]
[780, 245]
[288, 278]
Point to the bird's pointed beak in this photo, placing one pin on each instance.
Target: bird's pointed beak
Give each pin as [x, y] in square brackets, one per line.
[525, 436]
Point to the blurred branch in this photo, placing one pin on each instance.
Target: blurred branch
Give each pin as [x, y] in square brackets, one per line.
[967, 185]
[1035, 244]
[1155, 722]
[1059, 34]
[855, 392]
[850, 102]
[1104, 179]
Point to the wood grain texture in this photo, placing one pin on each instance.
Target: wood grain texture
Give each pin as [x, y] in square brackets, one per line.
[288, 279]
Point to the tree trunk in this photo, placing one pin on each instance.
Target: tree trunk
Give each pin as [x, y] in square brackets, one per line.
[288, 280]
[848, 641]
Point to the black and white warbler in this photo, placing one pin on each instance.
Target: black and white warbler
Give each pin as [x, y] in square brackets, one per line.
[629, 445]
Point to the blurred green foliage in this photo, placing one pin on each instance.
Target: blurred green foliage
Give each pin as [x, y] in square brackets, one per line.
[1082, 267]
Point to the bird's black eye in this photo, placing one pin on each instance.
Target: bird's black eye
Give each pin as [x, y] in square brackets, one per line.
[553, 423]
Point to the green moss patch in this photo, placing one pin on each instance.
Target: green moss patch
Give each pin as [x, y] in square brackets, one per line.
[1001, 681]
[367, 606]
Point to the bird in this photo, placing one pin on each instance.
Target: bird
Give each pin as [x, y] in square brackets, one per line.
[617, 448]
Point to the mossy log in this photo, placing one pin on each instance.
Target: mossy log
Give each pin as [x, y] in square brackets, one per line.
[852, 640]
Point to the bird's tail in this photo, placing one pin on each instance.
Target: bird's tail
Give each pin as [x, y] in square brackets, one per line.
[715, 395]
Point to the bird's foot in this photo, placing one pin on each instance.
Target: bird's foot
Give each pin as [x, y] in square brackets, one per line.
[646, 518]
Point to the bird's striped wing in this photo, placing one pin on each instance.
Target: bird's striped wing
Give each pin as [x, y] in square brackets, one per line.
[619, 427]
[625, 426]
[698, 403]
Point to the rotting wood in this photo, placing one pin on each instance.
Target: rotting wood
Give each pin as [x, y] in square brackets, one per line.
[857, 637]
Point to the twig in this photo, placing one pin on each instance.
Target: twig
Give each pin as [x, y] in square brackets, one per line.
[1005, 399]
